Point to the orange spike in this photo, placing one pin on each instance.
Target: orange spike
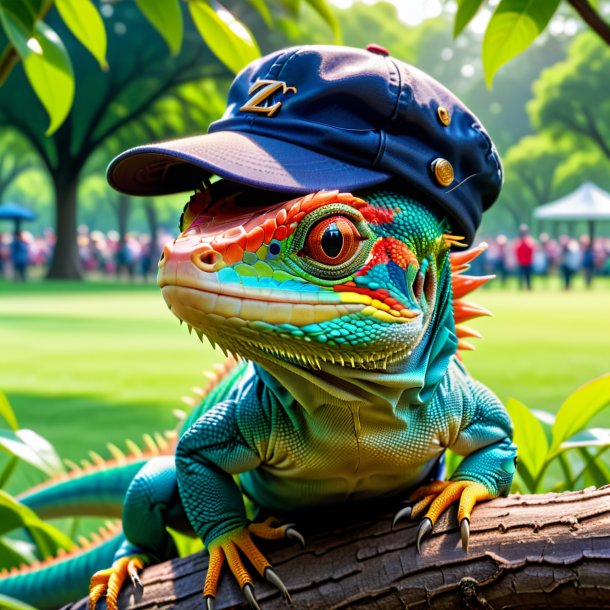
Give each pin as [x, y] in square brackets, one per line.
[465, 346]
[454, 240]
[463, 284]
[464, 311]
[466, 331]
[458, 259]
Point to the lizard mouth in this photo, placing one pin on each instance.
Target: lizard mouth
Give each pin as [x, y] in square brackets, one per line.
[200, 307]
[256, 327]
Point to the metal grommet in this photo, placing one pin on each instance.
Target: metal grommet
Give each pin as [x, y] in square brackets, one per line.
[443, 171]
[443, 115]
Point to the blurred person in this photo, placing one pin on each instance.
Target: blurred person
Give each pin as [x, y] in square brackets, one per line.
[588, 260]
[569, 260]
[148, 257]
[127, 257]
[20, 253]
[524, 249]
[3, 255]
[542, 259]
[496, 258]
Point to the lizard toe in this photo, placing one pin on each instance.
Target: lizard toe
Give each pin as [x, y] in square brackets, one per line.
[468, 493]
[109, 582]
[231, 547]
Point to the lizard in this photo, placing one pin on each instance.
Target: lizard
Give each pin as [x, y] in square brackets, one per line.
[341, 306]
[324, 258]
[355, 396]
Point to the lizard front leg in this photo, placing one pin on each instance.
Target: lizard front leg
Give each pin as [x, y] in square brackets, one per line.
[208, 455]
[486, 472]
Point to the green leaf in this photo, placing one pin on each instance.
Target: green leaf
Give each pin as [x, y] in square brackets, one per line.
[466, 11]
[321, 7]
[514, 25]
[227, 38]
[49, 71]
[531, 441]
[166, 17]
[45, 451]
[595, 469]
[7, 413]
[26, 11]
[14, 553]
[292, 6]
[263, 10]
[87, 25]
[12, 444]
[46, 537]
[17, 31]
[579, 408]
[10, 603]
[32, 448]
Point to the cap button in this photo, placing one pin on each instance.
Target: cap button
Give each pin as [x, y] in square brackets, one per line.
[378, 50]
[443, 115]
[443, 171]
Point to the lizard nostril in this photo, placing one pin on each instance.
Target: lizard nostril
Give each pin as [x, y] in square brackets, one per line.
[207, 259]
[164, 255]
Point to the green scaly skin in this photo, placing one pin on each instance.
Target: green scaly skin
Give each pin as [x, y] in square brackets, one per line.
[343, 306]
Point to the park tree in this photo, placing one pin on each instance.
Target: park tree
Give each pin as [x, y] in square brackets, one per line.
[141, 74]
[16, 157]
[530, 168]
[105, 103]
[571, 97]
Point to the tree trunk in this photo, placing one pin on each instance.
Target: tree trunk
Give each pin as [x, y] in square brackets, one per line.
[530, 551]
[153, 228]
[65, 264]
[123, 210]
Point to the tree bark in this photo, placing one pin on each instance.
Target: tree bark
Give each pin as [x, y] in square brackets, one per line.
[529, 551]
[65, 264]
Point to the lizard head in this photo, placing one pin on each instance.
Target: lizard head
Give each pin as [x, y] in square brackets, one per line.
[329, 277]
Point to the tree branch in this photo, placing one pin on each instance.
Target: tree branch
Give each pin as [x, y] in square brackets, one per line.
[592, 19]
[175, 80]
[529, 551]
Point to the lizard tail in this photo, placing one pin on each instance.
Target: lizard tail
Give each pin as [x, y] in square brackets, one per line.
[462, 285]
[94, 490]
[56, 581]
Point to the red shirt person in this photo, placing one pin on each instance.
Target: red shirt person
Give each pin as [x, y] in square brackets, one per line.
[525, 246]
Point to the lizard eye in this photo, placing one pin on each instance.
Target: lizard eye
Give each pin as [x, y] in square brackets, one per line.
[332, 241]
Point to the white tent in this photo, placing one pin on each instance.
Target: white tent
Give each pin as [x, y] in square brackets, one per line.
[588, 202]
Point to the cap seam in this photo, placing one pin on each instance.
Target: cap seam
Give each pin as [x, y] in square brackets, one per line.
[394, 115]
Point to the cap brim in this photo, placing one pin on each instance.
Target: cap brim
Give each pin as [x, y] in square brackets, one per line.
[254, 160]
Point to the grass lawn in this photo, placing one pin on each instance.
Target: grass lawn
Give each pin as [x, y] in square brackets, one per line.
[85, 364]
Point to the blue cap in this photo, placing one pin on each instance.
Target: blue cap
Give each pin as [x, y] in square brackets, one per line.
[325, 117]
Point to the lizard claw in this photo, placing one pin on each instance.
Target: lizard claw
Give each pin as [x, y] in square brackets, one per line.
[403, 513]
[465, 532]
[209, 603]
[294, 535]
[425, 527]
[249, 594]
[275, 580]
[436, 497]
